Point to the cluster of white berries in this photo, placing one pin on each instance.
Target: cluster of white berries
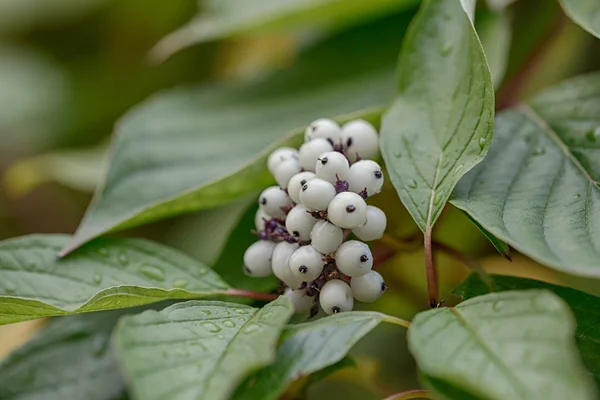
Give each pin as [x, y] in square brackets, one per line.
[304, 221]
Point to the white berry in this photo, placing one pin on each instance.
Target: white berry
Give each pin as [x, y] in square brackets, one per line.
[368, 288]
[280, 263]
[360, 137]
[316, 194]
[306, 263]
[280, 155]
[323, 128]
[301, 302]
[375, 226]
[260, 218]
[332, 166]
[285, 171]
[365, 174]
[347, 210]
[354, 258]
[257, 259]
[326, 237]
[299, 222]
[296, 183]
[310, 151]
[272, 199]
[336, 297]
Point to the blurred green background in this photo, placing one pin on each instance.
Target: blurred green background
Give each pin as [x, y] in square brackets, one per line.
[69, 69]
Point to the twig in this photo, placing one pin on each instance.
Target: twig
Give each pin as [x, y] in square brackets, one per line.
[430, 271]
[411, 394]
[250, 294]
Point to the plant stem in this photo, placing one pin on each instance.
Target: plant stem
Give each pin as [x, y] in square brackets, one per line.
[250, 294]
[396, 321]
[411, 394]
[431, 272]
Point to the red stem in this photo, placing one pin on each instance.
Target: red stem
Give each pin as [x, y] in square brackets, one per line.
[250, 294]
[411, 394]
[431, 272]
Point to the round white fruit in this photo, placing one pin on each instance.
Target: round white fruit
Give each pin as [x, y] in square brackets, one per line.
[332, 166]
[347, 210]
[360, 137]
[301, 302]
[310, 151]
[257, 259]
[260, 218]
[299, 222]
[306, 263]
[272, 199]
[354, 258]
[316, 194]
[285, 171]
[336, 297]
[365, 175]
[323, 128]
[280, 263]
[296, 183]
[375, 226]
[368, 288]
[326, 237]
[280, 155]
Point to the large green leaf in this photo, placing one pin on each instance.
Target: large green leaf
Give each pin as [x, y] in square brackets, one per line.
[106, 274]
[538, 187]
[307, 348]
[198, 350]
[585, 307]
[70, 358]
[441, 123]
[220, 19]
[586, 13]
[514, 345]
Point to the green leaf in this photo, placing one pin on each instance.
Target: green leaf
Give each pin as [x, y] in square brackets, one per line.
[198, 350]
[221, 19]
[538, 187]
[585, 13]
[514, 345]
[500, 245]
[70, 358]
[106, 274]
[307, 348]
[495, 33]
[585, 307]
[441, 123]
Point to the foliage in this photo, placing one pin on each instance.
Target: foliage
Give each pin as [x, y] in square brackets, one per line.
[443, 84]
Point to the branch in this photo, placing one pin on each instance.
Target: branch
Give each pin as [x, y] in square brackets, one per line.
[411, 394]
[430, 271]
[250, 294]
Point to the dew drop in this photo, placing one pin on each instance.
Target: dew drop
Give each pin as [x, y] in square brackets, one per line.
[202, 272]
[206, 312]
[229, 323]
[153, 272]
[241, 319]
[241, 311]
[251, 328]
[482, 143]
[97, 278]
[9, 286]
[100, 344]
[180, 283]
[398, 154]
[103, 252]
[123, 259]
[226, 313]
[221, 337]
[497, 306]
[459, 169]
[577, 196]
[438, 198]
[446, 49]
[211, 327]
[538, 151]
[412, 184]
[30, 267]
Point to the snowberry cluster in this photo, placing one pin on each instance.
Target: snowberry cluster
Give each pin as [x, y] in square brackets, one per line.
[304, 221]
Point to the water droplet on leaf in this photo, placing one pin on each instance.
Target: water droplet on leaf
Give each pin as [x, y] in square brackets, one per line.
[497, 306]
[412, 184]
[180, 283]
[211, 327]
[123, 259]
[398, 155]
[482, 143]
[206, 312]
[538, 151]
[9, 286]
[251, 328]
[153, 272]
[241, 311]
[100, 344]
[438, 198]
[103, 252]
[577, 196]
[229, 323]
[97, 278]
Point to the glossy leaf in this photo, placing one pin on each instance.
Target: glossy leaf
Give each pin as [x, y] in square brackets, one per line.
[510, 345]
[307, 348]
[198, 350]
[585, 307]
[440, 124]
[538, 187]
[222, 19]
[585, 13]
[70, 358]
[107, 274]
